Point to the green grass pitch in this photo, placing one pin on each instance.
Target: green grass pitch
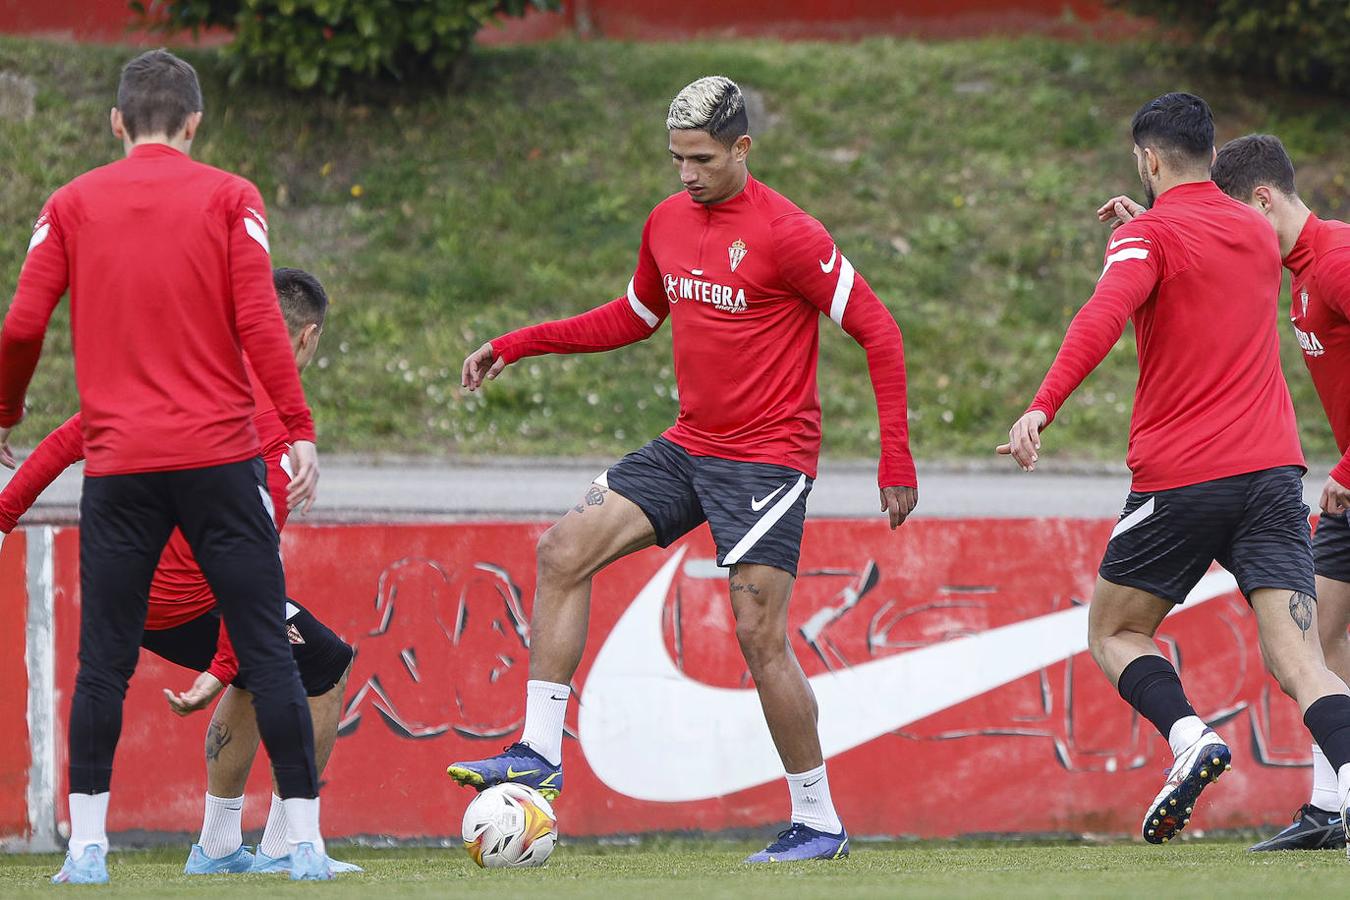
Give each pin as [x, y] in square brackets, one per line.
[1207, 868]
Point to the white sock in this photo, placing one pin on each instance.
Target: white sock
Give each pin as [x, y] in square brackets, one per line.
[273, 841]
[1326, 793]
[302, 823]
[88, 822]
[222, 827]
[1185, 731]
[811, 803]
[545, 709]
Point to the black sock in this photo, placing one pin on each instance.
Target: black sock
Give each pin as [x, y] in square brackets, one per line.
[1329, 721]
[1151, 685]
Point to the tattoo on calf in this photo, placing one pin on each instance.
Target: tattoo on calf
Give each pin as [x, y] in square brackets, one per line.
[739, 588]
[1301, 611]
[217, 736]
[594, 497]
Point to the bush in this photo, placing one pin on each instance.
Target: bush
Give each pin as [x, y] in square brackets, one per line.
[329, 44]
[1304, 43]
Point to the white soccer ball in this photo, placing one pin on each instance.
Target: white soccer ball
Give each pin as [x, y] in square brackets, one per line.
[510, 826]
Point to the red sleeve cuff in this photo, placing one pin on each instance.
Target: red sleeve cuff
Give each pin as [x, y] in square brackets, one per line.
[1342, 471]
[897, 473]
[1041, 407]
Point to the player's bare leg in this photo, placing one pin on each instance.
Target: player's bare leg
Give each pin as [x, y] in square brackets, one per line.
[600, 529]
[1121, 624]
[759, 599]
[232, 742]
[1288, 625]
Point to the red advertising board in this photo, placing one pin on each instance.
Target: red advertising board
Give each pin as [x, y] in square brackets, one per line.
[947, 657]
[15, 758]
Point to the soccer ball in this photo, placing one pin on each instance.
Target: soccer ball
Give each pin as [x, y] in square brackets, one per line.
[510, 826]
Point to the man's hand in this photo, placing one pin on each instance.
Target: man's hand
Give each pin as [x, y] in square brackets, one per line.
[479, 366]
[1335, 497]
[304, 486]
[1118, 210]
[1024, 440]
[6, 455]
[898, 503]
[203, 691]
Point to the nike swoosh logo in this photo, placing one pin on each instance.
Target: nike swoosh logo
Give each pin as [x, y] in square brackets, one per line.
[812, 783]
[651, 732]
[827, 268]
[1114, 244]
[757, 505]
[512, 773]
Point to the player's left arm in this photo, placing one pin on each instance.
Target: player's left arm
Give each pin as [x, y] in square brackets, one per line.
[1333, 282]
[819, 272]
[42, 282]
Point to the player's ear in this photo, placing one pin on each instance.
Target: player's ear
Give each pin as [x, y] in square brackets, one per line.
[194, 121]
[115, 120]
[1261, 198]
[741, 149]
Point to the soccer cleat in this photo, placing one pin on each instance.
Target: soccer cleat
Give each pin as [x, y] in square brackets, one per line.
[265, 864]
[518, 764]
[308, 864]
[1345, 826]
[1313, 829]
[198, 863]
[90, 868]
[800, 842]
[1196, 766]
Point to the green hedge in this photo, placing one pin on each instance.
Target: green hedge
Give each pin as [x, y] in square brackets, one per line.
[331, 44]
[1304, 43]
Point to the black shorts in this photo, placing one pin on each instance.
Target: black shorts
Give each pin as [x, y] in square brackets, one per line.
[321, 656]
[1331, 547]
[755, 511]
[1255, 525]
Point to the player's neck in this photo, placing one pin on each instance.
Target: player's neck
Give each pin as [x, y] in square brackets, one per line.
[736, 190]
[180, 143]
[1168, 181]
[1290, 225]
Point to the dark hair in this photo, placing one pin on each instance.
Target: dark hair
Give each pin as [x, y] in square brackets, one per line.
[157, 93]
[303, 300]
[1246, 163]
[1176, 125]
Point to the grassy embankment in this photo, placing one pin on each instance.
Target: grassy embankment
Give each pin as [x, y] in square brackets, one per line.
[960, 178]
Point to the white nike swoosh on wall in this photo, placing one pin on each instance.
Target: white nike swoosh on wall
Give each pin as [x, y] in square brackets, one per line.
[651, 732]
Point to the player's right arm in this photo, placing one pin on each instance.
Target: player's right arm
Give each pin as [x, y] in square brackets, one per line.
[1132, 270]
[42, 282]
[58, 451]
[626, 320]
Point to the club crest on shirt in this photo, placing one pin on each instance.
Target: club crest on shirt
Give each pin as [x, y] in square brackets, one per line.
[736, 252]
[293, 635]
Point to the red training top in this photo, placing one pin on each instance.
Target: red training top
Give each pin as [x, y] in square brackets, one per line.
[170, 281]
[1198, 274]
[1320, 311]
[179, 592]
[744, 283]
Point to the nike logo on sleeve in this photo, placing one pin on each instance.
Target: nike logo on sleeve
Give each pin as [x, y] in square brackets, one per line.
[827, 268]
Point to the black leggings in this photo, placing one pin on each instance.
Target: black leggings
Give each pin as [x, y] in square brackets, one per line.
[224, 513]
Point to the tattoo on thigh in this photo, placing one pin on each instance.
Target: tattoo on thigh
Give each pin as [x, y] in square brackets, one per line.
[738, 587]
[1301, 611]
[217, 736]
[594, 497]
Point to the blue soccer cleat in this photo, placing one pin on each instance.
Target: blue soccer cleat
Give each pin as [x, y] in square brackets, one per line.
[271, 864]
[198, 863]
[803, 842]
[308, 864]
[517, 764]
[1195, 768]
[90, 868]
[1313, 829]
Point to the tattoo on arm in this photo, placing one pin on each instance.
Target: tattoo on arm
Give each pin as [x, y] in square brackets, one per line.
[738, 587]
[594, 497]
[1301, 608]
[217, 736]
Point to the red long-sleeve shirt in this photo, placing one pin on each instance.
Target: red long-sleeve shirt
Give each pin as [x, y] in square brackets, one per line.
[1199, 275]
[170, 281]
[1320, 311]
[744, 283]
[178, 592]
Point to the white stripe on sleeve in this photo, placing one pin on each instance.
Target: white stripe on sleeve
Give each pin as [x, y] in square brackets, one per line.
[843, 288]
[1121, 255]
[642, 311]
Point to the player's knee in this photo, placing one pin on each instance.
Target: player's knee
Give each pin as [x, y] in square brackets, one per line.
[1298, 675]
[556, 555]
[760, 645]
